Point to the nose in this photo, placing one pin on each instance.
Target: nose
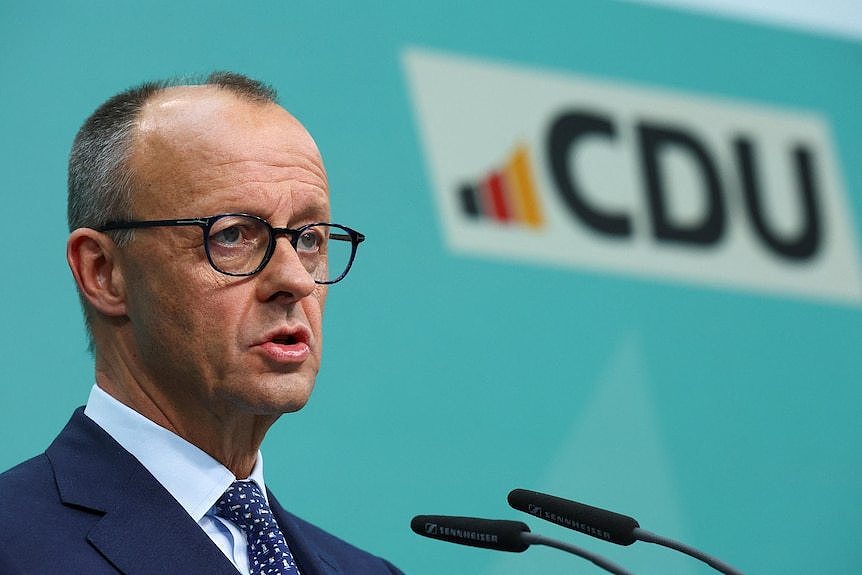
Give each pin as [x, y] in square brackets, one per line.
[284, 275]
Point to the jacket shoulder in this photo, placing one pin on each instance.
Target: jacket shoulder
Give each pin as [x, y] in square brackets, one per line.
[29, 494]
[31, 479]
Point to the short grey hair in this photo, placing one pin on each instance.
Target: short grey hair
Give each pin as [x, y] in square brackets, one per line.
[101, 181]
[100, 178]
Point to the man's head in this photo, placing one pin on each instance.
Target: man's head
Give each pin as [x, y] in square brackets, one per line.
[166, 326]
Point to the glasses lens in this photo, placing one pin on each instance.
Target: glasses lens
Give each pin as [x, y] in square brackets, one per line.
[237, 244]
[326, 251]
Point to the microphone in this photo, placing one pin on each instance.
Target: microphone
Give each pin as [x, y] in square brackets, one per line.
[603, 524]
[498, 534]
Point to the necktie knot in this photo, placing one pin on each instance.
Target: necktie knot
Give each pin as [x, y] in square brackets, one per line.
[245, 505]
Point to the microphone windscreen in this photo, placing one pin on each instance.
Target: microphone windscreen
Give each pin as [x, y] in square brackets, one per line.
[498, 534]
[593, 521]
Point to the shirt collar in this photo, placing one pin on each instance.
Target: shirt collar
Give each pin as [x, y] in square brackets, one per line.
[190, 475]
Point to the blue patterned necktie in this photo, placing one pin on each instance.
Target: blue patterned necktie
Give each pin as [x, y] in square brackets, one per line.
[268, 553]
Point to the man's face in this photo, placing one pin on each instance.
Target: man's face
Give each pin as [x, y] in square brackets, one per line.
[201, 339]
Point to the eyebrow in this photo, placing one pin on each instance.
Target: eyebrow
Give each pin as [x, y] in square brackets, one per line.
[316, 212]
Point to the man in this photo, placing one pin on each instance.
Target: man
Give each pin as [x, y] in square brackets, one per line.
[201, 250]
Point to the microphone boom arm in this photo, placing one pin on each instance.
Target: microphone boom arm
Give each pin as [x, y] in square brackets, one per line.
[718, 565]
[535, 539]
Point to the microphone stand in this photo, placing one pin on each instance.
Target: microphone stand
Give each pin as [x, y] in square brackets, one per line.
[535, 539]
[649, 537]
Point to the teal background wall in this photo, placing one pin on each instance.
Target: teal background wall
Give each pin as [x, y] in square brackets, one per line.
[726, 419]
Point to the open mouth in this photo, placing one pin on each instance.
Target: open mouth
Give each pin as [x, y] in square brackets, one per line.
[287, 346]
[286, 340]
[289, 337]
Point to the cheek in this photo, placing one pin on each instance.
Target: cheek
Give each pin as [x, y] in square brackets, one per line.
[313, 307]
[179, 312]
[177, 315]
[164, 333]
[226, 317]
[320, 296]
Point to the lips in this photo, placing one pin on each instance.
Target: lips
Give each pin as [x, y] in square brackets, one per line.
[286, 345]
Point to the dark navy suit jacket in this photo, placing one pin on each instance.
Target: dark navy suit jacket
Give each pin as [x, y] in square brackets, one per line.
[87, 506]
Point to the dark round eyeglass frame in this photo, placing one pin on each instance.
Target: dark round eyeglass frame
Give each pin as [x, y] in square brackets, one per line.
[206, 224]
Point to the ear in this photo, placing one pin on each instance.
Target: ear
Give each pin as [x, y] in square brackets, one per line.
[93, 259]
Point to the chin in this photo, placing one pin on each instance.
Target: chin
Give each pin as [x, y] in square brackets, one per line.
[280, 395]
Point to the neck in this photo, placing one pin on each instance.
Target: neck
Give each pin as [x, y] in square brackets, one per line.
[233, 439]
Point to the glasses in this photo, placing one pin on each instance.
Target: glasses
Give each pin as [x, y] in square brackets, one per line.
[242, 244]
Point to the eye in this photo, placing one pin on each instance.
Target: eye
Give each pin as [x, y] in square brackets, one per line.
[228, 236]
[309, 241]
[231, 232]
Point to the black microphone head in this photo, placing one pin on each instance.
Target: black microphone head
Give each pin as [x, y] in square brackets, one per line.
[498, 534]
[600, 523]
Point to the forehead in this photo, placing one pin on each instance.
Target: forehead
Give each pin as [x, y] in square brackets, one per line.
[201, 150]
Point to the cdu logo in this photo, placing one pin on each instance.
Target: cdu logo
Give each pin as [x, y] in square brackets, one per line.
[506, 194]
[655, 142]
[562, 170]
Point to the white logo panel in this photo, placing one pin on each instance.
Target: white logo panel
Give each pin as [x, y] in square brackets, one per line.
[633, 180]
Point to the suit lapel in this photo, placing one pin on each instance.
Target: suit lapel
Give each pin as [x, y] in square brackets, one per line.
[309, 556]
[143, 529]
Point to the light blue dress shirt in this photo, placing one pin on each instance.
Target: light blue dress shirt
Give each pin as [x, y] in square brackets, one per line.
[195, 479]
